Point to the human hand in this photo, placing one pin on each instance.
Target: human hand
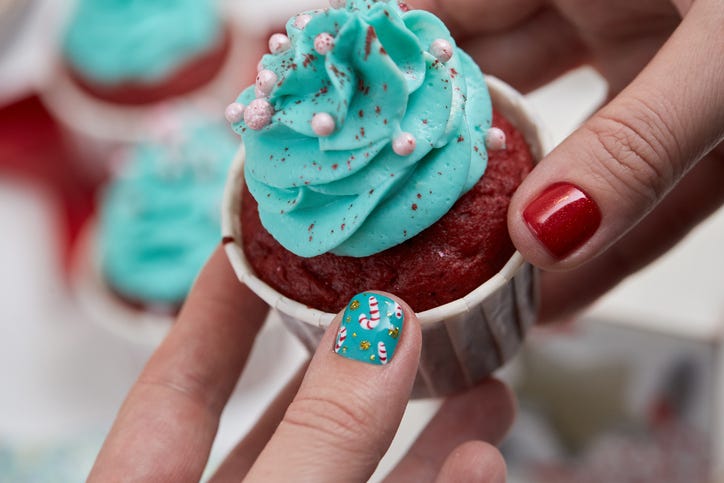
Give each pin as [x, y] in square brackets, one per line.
[646, 162]
[321, 430]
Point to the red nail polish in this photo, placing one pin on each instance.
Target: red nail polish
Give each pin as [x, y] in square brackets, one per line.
[563, 218]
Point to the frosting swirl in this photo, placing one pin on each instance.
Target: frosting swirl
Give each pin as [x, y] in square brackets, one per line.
[159, 218]
[113, 41]
[407, 132]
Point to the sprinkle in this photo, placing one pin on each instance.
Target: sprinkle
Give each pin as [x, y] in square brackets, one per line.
[404, 144]
[265, 81]
[495, 139]
[323, 43]
[279, 43]
[337, 3]
[234, 112]
[442, 50]
[258, 114]
[302, 20]
[323, 124]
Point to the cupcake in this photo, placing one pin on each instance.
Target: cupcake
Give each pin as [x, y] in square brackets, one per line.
[376, 156]
[119, 59]
[135, 52]
[158, 223]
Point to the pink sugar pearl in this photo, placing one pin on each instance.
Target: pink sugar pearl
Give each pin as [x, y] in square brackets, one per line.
[323, 43]
[323, 124]
[404, 144]
[279, 43]
[302, 20]
[265, 81]
[258, 114]
[442, 50]
[495, 139]
[234, 112]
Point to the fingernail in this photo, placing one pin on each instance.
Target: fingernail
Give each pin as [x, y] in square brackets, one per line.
[563, 217]
[370, 329]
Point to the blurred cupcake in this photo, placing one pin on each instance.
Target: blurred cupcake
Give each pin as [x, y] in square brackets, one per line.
[158, 222]
[121, 58]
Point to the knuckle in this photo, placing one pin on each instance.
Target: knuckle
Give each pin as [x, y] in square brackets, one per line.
[636, 149]
[188, 387]
[331, 420]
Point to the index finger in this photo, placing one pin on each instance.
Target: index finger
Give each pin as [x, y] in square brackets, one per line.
[165, 428]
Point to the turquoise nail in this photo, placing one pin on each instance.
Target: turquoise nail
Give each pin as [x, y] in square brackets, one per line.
[370, 329]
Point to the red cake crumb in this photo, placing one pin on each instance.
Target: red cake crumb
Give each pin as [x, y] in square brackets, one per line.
[193, 74]
[443, 263]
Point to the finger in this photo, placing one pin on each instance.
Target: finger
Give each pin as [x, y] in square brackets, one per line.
[242, 457]
[474, 17]
[350, 403]
[474, 461]
[484, 413]
[529, 54]
[697, 196]
[610, 173]
[164, 430]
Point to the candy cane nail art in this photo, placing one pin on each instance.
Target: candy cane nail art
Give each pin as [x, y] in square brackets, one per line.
[341, 337]
[374, 319]
[382, 352]
[381, 320]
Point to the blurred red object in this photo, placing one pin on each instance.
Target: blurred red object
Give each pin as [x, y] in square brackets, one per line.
[32, 146]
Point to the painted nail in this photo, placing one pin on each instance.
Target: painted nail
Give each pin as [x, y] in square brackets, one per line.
[563, 217]
[370, 329]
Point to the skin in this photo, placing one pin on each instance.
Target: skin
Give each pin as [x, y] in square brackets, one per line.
[312, 431]
[651, 158]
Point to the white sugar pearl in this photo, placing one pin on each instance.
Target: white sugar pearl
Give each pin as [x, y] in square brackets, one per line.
[265, 81]
[337, 3]
[279, 43]
[258, 114]
[234, 112]
[302, 20]
[323, 43]
[495, 139]
[404, 144]
[323, 124]
[442, 50]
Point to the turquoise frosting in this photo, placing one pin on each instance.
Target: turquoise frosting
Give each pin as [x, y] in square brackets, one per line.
[349, 193]
[115, 41]
[159, 220]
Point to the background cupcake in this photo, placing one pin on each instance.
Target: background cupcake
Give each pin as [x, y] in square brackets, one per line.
[121, 59]
[158, 222]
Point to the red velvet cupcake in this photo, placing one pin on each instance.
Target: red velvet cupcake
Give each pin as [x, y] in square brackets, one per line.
[372, 160]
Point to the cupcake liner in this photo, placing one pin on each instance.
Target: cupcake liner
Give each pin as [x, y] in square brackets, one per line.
[99, 122]
[462, 341]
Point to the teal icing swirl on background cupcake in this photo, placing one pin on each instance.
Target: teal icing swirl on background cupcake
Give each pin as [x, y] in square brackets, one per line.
[159, 220]
[115, 41]
[350, 193]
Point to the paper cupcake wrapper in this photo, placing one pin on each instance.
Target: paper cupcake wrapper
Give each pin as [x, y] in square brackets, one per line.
[463, 341]
[99, 122]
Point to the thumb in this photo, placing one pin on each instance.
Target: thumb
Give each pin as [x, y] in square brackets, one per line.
[616, 168]
[352, 398]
